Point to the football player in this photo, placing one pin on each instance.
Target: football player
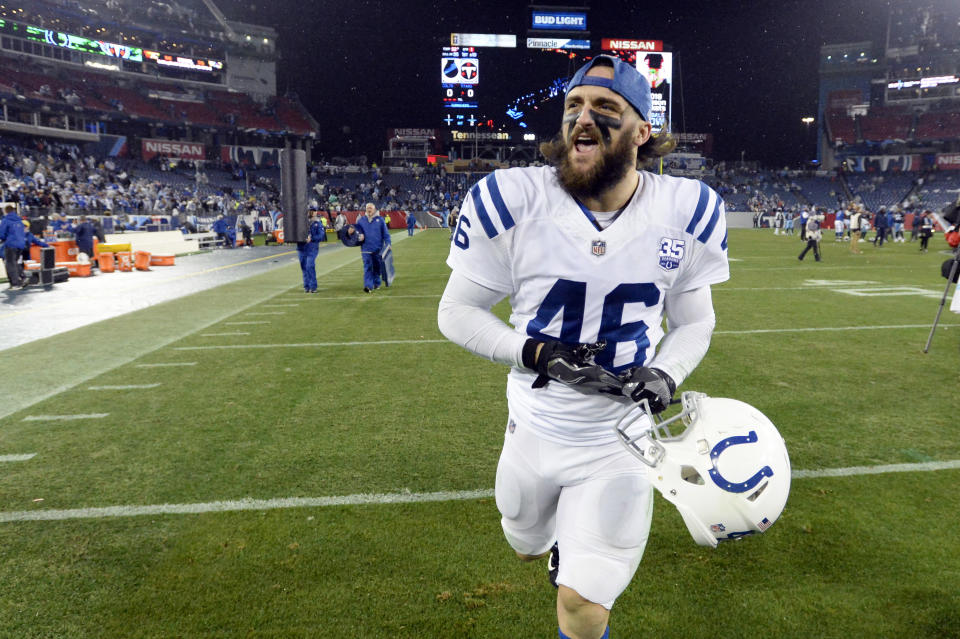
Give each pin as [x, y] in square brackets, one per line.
[593, 254]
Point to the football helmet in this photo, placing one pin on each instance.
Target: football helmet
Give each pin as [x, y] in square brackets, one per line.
[727, 472]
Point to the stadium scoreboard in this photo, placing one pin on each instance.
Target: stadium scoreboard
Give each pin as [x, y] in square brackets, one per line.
[459, 81]
[506, 103]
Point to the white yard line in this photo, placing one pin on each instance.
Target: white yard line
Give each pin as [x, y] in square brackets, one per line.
[827, 328]
[164, 364]
[222, 334]
[877, 470]
[124, 387]
[442, 341]
[246, 323]
[63, 418]
[383, 498]
[16, 458]
[312, 344]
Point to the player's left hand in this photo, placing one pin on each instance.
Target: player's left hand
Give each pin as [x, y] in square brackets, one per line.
[651, 384]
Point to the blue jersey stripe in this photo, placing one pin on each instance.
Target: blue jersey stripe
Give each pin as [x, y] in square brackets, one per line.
[723, 244]
[701, 208]
[488, 227]
[498, 202]
[714, 218]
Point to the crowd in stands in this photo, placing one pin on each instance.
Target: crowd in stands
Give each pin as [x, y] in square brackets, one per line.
[423, 189]
[107, 97]
[46, 176]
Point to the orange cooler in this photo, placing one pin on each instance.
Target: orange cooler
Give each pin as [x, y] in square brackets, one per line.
[76, 269]
[124, 261]
[141, 260]
[106, 262]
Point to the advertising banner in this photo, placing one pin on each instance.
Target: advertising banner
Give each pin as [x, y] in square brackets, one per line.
[948, 161]
[150, 148]
[629, 44]
[556, 21]
[557, 43]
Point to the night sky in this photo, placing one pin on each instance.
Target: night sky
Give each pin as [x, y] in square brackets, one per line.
[749, 70]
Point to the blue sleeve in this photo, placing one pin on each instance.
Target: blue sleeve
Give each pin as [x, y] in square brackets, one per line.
[386, 232]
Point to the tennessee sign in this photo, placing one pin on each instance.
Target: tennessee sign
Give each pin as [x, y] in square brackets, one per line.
[172, 149]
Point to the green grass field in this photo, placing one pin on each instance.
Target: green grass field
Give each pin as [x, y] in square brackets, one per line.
[830, 351]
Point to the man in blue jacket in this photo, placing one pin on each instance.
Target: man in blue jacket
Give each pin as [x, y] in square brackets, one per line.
[13, 235]
[15, 238]
[220, 228]
[411, 223]
[373, 237]
[307, 251]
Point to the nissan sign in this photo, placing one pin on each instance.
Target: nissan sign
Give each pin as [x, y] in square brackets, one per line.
[172, 149]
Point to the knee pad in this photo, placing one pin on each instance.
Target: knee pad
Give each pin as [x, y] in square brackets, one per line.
[624, 510]
[529, 526]
[599, 560]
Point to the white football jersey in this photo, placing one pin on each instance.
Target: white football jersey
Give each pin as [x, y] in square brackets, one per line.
[521, 233]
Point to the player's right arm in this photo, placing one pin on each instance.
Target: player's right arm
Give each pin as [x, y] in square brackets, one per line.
[481, 277]
[466, 319]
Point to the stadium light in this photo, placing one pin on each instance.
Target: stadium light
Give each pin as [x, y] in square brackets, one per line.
[807, 120]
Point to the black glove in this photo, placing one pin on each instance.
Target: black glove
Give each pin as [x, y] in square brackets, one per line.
[651, 384]
[571, 364]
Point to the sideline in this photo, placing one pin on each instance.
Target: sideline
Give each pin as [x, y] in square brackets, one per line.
[112, 343]
[388, 498]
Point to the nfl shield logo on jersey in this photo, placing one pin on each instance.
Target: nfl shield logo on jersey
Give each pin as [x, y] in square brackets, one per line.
[598, 247]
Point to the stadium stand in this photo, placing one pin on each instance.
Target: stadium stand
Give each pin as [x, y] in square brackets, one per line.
[938, 189]
[881, 190]
[886, 124]
[841, 129]
[938, 126]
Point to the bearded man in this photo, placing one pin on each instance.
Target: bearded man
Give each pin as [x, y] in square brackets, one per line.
[593, 254]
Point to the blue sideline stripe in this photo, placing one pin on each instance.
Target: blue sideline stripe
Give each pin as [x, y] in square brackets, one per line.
[714, 218]
[498, 202]
[701, 208]
[482, 211]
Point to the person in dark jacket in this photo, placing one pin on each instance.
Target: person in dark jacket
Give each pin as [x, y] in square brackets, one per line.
[247, 233]
[84, 234]
[880, 224]
[926, 230]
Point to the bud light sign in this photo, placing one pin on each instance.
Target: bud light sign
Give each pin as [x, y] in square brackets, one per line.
[559, 21]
